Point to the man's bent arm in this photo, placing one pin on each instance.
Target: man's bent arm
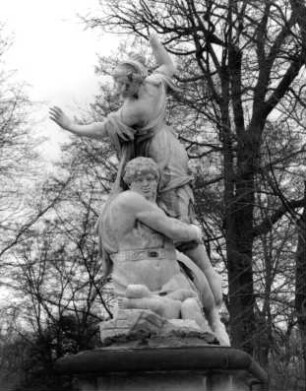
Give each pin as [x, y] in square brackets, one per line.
[154, 217]
[162, 56]
[170, 227]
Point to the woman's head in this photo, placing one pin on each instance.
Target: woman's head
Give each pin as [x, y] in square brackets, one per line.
[129, 75]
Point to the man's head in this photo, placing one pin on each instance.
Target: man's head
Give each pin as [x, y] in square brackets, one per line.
[129, 75]
[142, 176]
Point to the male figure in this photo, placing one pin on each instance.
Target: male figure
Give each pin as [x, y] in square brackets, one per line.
[138, 129]
[137, 238]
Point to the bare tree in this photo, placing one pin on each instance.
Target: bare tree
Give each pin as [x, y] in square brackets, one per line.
[299, 13]
[300, 294]
[19, 160]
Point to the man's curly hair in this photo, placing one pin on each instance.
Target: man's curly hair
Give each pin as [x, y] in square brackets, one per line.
[140, 166]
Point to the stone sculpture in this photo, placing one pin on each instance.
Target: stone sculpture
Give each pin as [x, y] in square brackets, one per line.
[138, 128]
[137, 240]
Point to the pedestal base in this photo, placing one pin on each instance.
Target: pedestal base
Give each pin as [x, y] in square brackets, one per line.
[162, 381]
[196, 368]
[142, 351]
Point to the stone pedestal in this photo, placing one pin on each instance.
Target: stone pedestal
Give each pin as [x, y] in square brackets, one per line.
[142, 351]
[194, 368]
[161, 381]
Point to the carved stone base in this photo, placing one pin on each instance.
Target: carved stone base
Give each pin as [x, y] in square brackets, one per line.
[138, 327]
[189, 368]
[145, 352]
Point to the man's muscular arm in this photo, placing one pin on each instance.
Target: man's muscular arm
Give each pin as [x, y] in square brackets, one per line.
[151, 215]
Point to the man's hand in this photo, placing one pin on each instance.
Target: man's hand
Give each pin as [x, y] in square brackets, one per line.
[58, 116]
[197, 233]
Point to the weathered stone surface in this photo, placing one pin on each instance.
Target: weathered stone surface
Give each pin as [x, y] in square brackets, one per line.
[139, 327]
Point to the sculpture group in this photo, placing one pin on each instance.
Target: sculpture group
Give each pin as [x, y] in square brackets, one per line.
[149, 222]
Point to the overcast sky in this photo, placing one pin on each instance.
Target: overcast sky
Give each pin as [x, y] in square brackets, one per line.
[54, 55]
[52, 51]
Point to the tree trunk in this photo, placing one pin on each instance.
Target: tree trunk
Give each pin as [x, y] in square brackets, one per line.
[239, 242]
[299, 12]
[241, 294]
[300, 288]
